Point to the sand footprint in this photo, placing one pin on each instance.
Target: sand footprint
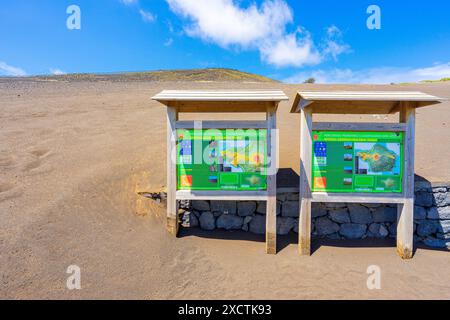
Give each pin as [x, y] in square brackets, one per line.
[5, 186]
[8, 191]
[7, 161]
[40, 153]
[36, 158]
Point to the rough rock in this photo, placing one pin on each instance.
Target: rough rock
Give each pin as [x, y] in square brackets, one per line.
[439, 213]
[378, 230]
[385, 214]
[445, 236]
[224, 206]
[432, 213]
[290, 209]
[426, 228]
[360, 214]
[416, 239]
[184, 204]
[420, 213]
[285, 224]
[325, 226]
[258, 224]
[333, 236]
[246, 222]
[443, 226]
[229, 222]
[281, 196]
[439, 189]
[292, 197]
[352, 230]
[393, 230]
[193, 221]
[371, 205]
[340, 216]
[440, 198]
[436, 243]
[318, 210]
[200, 205]
[246, 208]
[207, 221]
[424, 199]
[189, 220]
[421, 185]
[261, 207]
[335, 205]
[295, 229]
[247, 219]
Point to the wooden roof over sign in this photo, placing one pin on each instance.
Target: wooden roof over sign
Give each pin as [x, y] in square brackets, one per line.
[220, 100]
[360, 102]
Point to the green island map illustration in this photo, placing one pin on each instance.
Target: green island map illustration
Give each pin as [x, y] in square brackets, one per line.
[244, 158]
[379, 158]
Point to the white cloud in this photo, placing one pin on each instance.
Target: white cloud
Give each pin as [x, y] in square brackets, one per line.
[57, 72]
[333, 44]
[227, 24]
[380, 75]
[8, 70]
[147, 16]
[129, 2]
[291, 50]
[168, 42]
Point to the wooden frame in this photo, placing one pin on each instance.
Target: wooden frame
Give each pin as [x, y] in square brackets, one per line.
[271, 205]
[405, 211]
[404, 201]
[251, 102]
[172, 205]
[221, 106]
[221, 195]
[356, 197]
[206, 124]
[355, 126]
[304, 228]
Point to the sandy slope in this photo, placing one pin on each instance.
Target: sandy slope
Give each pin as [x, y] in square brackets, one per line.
[73, 155]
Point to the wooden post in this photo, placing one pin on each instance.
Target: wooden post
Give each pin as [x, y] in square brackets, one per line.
[172, 210]
[405, 211]
[304, 228]
[271, 205]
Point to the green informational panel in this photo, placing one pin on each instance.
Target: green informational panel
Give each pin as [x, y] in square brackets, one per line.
[357, 161]
[221, 159]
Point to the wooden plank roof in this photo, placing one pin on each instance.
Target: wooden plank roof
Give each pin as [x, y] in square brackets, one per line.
[220, 100]
[220, 95]
[360, 102]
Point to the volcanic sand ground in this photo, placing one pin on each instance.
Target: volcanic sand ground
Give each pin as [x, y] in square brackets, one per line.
[74, 154]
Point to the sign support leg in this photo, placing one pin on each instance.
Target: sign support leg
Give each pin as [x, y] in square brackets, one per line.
[172, 209]
[405, 211]
[271, 205]
[304, 228]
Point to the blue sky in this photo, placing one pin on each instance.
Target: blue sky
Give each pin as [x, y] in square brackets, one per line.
[288, 40]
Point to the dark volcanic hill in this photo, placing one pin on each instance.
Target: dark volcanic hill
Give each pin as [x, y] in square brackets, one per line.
[198, 75]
